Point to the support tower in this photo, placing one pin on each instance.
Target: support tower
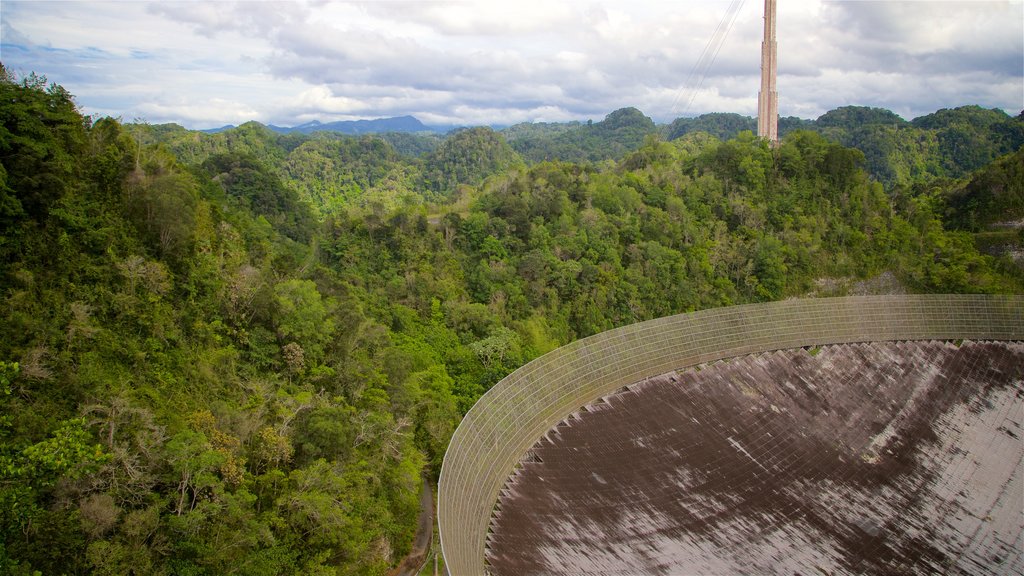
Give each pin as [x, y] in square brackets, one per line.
[768, 98]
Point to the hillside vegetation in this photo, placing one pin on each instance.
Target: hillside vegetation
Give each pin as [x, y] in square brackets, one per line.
[332, 170]
[238, 352]
[949, 143]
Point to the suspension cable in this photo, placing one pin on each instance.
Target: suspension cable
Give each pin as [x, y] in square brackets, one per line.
[707, 58]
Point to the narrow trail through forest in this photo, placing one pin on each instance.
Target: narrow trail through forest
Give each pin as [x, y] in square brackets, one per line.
[413, 561]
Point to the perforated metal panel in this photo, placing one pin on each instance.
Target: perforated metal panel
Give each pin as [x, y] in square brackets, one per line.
[514, 414]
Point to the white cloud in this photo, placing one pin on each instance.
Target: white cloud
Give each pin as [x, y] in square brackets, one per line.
[479, 18]
[490, 62]
[209, 112]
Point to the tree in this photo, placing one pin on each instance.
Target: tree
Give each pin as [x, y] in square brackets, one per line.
[467, 157]
[41, 137]
[436, 414]
[164, 208]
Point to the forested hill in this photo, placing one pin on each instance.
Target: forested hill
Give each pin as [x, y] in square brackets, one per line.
[237, 353]
[950, 143]
[620, 132]
[399, 124]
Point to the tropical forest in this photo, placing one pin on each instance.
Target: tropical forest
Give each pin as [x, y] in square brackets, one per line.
[245, 351]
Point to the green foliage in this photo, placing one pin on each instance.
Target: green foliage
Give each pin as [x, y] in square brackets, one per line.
[853, 117]
[69, 453]
[412, 145]
[41, 136]
[28, 476]
[8, 372]
[261, 191]
[303, 316]
[720, 125]
[467, 157]
[728, 125]
[993, 195]
[536, 130]
[331, 174]
[620, 132]
[197, 377]
[948, 143]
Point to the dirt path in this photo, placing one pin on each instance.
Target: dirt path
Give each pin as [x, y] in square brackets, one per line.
[424, 532]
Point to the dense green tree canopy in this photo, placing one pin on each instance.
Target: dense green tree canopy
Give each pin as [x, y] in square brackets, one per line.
[240, 351]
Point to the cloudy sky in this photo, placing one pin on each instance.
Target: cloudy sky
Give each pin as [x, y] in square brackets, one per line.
[207, 63]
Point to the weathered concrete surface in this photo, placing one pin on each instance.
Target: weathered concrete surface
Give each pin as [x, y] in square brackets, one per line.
[768, 97]
[901, 457]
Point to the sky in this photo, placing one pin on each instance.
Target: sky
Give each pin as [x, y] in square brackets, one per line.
[204, 64]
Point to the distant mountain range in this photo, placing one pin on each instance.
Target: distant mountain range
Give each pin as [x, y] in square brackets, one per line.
[355, 127]
[948, 143]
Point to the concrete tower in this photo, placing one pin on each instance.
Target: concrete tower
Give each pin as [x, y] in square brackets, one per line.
[768, 97]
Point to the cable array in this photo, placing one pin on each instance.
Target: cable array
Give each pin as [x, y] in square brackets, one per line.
[707, 58]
